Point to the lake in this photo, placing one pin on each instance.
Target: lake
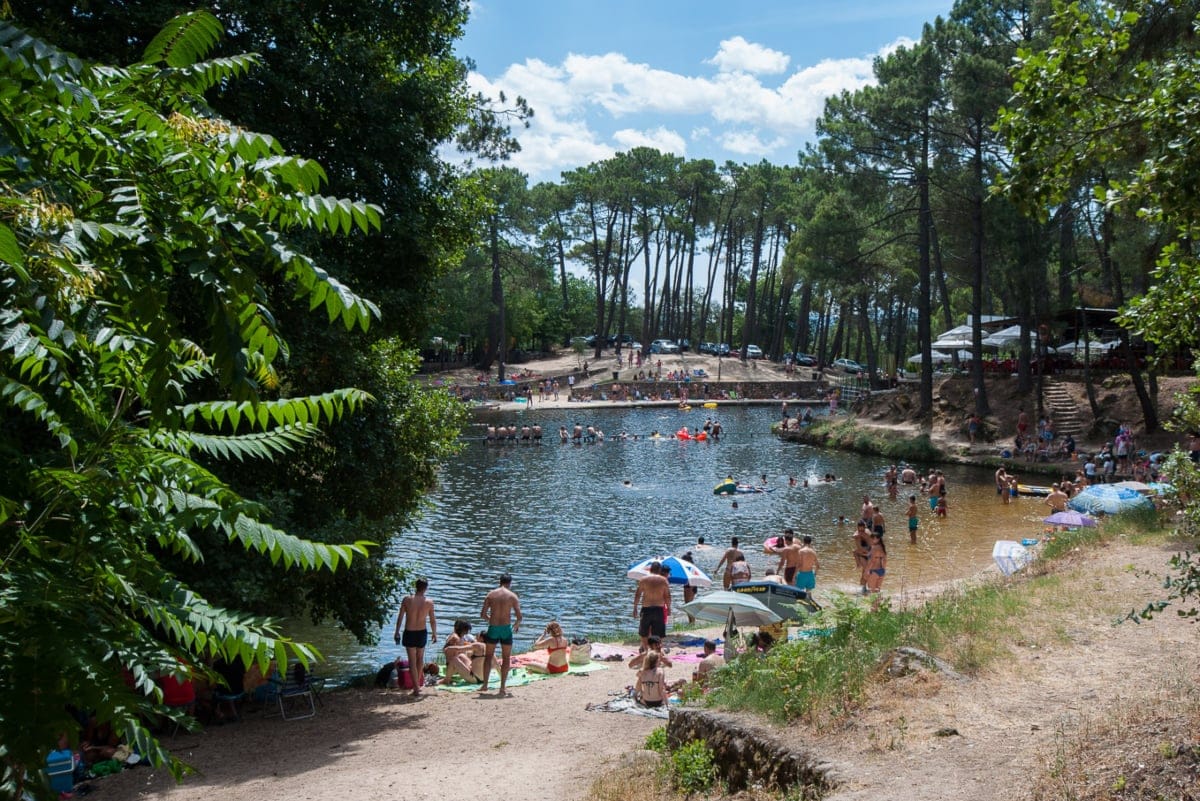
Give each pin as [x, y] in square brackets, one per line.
[561, 520]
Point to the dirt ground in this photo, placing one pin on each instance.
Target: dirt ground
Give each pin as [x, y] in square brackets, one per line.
[1011, 722]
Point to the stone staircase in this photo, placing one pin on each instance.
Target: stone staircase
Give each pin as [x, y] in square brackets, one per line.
[1063, 410]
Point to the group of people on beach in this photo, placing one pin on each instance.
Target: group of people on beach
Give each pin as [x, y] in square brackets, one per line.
[416, 626]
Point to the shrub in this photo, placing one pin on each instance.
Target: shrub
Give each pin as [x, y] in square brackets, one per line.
[657, 740]
[692, 767]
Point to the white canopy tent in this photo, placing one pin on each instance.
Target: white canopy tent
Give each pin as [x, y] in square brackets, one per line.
[958, 332]
[936, 357]
[955, 343]
[1078, 346]
[1007, 337]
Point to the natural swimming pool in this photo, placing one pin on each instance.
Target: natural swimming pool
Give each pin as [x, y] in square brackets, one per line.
[560, 519]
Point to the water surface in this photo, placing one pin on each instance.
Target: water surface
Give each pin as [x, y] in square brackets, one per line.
[562, 522]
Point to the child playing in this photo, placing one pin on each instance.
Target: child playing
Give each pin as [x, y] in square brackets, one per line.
[940, 511]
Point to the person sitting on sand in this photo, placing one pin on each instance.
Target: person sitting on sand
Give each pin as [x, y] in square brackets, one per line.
[464, 656]
[651, 687]
[711, 662]
[555, 643]
[653, 645]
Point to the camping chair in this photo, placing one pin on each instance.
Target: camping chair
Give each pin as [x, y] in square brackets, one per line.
[293, 693]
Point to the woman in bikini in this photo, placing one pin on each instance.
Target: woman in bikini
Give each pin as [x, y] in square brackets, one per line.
[555, 643]
[651, 687]
[464, 656]
[876, 564]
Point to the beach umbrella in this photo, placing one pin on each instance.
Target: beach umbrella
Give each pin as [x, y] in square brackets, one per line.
[1109, 499]
[1070, 519]
[724, 605]
[680, 571]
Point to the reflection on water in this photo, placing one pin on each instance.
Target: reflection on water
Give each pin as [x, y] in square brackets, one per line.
[560, 519]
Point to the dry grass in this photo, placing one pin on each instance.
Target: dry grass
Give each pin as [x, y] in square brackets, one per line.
[1144, 749]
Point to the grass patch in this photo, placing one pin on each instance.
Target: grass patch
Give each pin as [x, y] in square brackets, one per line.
[845, 434]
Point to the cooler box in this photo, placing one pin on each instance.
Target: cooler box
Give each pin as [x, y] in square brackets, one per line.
[60, 768]
[1010, 556]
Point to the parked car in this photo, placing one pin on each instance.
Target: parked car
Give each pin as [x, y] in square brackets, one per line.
[723, 349]
[849, 365]
[683, 344]
[753, 352]
[663, 346]
[708, 347]
[804, 360]
[573, 341]
[626, 340]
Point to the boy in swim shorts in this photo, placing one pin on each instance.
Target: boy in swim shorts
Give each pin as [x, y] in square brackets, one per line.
[499, 608]
[415, 610]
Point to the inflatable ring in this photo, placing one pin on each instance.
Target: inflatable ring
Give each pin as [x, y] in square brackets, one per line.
[710, 405]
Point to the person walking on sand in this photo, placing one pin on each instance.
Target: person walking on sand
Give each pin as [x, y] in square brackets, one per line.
[415, 610]
[732, 554]
[653, 596]
[499, 608]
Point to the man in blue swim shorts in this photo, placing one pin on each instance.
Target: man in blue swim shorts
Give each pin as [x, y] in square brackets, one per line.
[807, 565]
[499, 608]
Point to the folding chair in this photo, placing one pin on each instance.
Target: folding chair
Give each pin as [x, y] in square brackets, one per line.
[295, 694]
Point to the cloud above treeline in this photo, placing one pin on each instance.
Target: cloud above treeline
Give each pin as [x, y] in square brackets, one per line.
[747, 107]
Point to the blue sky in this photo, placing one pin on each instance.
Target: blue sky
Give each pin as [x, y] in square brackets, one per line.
[720, 80]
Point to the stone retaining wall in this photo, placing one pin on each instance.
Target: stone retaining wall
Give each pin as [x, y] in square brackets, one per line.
[748, 753]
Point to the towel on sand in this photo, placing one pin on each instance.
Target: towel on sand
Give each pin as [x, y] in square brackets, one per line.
[517, 677]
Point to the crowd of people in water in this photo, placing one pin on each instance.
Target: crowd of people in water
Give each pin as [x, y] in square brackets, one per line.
[579, 433]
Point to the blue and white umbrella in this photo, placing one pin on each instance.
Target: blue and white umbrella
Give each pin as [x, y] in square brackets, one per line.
[1108, 499]
[680, 571]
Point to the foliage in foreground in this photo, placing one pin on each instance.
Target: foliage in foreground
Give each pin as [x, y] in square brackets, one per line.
[123, 193]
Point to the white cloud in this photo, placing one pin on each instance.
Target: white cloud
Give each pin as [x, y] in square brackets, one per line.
[738, 55]
[748, 143]
[660, 138]
[579, 103]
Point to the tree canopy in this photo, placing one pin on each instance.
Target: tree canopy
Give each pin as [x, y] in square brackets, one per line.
[123, 192]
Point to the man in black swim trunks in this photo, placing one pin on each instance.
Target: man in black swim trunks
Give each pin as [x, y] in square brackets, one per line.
[415, 609]
[654, 595]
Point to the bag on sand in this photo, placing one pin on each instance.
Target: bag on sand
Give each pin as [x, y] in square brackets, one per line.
[580, 652]
[401, 677]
